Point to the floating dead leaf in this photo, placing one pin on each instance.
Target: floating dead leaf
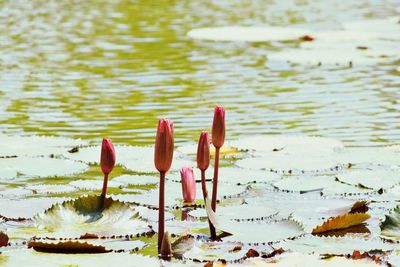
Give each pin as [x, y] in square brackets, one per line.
[341, 222]
[3, 239]
[68, 247]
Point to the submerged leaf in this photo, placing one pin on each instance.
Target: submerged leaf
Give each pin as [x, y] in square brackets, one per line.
[341, 222]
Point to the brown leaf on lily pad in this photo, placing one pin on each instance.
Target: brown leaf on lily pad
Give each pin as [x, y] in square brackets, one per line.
[3, 239]
[69, 247]
[341, 222]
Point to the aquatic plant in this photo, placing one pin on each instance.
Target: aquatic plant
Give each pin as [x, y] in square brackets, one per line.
[107, 163]
[163, 153]
[218, 138]
[188, 184]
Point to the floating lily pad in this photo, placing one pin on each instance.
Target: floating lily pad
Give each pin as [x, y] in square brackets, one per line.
[127, 179]
[15, 192]
[335, 245]
[43, 167]
[248, 34]
[36, 145]
[152, 214]
[94, 184]
[294, 258]
[244, 176]
[213, 251]
[372, 179]
[327, 185]
[261, 232]
[43, 189]
[28, 257]
[173, 193]
[181, 227]
[391, 226]
[81, 216]
[26, 208]
[387, 156]
[239, 212]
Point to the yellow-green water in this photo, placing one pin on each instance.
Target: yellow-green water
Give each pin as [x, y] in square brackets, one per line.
[90, 69]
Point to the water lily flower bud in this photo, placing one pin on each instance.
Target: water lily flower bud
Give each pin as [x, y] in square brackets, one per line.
[188, 184]
[218, 127]
[107, 159]
[164, 147]
[203, 151]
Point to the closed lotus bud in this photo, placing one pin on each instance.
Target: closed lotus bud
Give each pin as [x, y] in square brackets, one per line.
[107, 159]
[218, 127]
[164, 146]
[188, 184]
[203, 151]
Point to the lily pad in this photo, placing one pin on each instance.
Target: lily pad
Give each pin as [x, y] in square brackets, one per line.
[262, 233]
[94, 184]
[127, 179]
[81, 216]
[26, 208]
[327, 185]
[390, 228]
[239, 212]
[43, 167]
[28, 257]
[36, 145]
[43, 189]
[371, 179]
[294, 258]
[213, 251]
[335, 245]
[247, 34]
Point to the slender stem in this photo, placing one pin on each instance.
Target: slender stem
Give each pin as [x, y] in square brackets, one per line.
[161, 210]
[203, 183]
[215, 187]
[204, 189]
[103, 191]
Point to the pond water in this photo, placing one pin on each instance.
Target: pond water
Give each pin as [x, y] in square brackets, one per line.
[84, 70]
[89, 69]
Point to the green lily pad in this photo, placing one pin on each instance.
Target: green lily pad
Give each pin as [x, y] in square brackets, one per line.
[36, 145]
[42, 167]
[239, 212]
[127, 179]
[327, 185]
[335, 245]
[371, 179]
[43, 189]
[390, 227]
[26, 208]
[29, 257]
[75, 218]
[94, 184]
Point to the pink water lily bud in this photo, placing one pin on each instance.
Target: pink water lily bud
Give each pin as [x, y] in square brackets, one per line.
[107, 158]
[188, 184]
[203, 151]
[164, 146]
[218, 127]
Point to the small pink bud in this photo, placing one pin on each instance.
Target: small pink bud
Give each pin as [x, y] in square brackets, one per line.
[164, 146]
[188, 184]
[107, 158]
[203, 151]
[218, 127]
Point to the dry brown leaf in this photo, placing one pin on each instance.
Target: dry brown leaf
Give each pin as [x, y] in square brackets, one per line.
[341, 222]
[67, 247]
[3, 239]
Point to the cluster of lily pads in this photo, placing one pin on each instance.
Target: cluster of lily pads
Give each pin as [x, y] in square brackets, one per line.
[281, 200]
